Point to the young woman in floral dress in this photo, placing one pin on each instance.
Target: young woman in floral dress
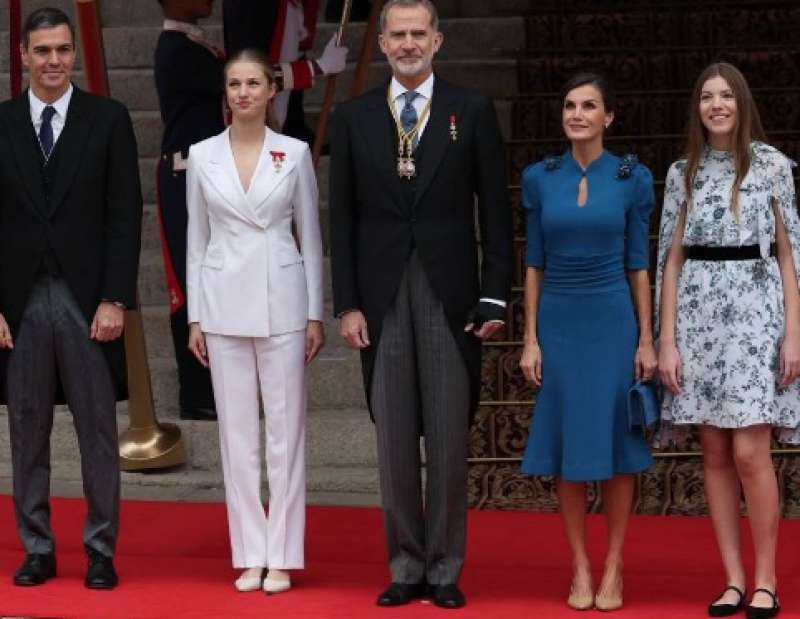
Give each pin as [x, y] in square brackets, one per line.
[729, 345]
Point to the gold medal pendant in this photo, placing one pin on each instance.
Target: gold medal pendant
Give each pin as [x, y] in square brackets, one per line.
[406, 167]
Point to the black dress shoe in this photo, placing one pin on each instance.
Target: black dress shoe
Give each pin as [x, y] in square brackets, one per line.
[759, 612]
[199, 413]
[726, 610]
[35, 570]
[101, 573]
[400, 593]
[448, 596]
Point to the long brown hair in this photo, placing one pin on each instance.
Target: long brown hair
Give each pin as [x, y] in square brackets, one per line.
[748, 128]
[253, 54]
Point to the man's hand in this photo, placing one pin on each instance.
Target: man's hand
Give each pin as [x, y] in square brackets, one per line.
[334, 57]
[108, 322]
[353, 329]
[485, 319]
[5, 334]
[486, 330]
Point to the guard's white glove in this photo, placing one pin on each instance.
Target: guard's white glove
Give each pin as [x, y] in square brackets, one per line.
[334, 57]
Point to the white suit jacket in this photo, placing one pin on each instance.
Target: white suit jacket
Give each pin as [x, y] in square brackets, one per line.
[244, 273]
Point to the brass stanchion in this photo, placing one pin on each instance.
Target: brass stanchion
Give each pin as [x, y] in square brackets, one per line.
[146, 444]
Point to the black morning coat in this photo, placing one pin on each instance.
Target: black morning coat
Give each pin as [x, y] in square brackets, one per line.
[375, 220]
[90, 225]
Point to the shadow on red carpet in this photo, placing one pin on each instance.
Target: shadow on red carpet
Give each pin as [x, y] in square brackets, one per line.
[174, 562]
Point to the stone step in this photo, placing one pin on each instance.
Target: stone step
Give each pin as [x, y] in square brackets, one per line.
[131, 47]
[340, 455]
[152, 281]
[116, 13]
[334, 378]
[495, 77]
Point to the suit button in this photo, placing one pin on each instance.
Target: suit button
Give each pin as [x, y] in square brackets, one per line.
[413, 220]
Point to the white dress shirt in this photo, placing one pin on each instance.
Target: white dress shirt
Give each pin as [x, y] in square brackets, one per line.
[424, 92]
[61, 106]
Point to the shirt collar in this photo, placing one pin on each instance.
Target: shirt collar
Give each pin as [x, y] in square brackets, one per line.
[61, 104]
[193, 30]
[425, 89]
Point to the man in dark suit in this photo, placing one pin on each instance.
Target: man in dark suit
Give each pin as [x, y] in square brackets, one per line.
[70, 220]
[408, 161]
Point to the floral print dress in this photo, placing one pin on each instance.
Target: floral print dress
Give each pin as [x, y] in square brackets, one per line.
[730, 316]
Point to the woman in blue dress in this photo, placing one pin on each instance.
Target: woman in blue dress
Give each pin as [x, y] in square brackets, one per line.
[587, 256]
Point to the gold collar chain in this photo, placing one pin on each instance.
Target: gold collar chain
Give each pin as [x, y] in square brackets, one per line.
[406, 168]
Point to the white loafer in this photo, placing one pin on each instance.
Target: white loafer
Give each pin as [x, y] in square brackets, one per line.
[249, 583]
[276, 586]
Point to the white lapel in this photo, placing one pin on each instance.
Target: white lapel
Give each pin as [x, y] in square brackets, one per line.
[269, 175]
[221, 171]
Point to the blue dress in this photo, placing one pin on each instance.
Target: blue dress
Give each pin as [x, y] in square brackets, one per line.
[586, 323]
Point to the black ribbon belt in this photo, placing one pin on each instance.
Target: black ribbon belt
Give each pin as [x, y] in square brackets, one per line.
[745, 252]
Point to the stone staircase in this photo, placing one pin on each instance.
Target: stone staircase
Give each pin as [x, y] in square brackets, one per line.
[518, 51]
[341, 452]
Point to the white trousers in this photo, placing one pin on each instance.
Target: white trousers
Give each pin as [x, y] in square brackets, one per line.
[239, 367]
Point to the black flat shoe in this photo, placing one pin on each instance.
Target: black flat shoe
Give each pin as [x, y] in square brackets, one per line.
[726, 610]
[448, 596]
[35, 570]
[399, 593]
[100, 573]
[760, 612]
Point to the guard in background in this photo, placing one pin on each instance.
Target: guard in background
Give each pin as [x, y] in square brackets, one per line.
[285, 29]
[188, 74]
[189, 80]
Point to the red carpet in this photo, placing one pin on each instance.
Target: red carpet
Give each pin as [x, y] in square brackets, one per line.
[173, 561]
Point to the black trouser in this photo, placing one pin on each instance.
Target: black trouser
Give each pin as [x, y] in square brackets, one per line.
[194, 379]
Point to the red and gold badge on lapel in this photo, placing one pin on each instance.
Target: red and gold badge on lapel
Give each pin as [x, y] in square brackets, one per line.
[278, 158]
[453, 128]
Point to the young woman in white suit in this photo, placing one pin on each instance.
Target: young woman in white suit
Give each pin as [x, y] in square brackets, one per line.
[255, 312]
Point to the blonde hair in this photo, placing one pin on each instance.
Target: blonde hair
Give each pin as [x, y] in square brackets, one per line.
[253, 54]
[747, 128]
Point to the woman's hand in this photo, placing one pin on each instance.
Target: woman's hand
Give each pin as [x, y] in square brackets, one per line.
[645, 362]
[315, 339]
[789, 359]
[531, 363]
[197, 343]
[670, 368]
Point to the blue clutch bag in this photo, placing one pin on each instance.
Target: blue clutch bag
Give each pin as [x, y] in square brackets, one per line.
[643, 409]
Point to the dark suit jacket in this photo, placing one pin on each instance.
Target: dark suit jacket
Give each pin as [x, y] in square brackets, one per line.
[91, 225]
[373, 227]
[190, 90]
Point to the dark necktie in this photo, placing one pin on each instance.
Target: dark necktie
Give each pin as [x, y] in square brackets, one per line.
[408, 115]
[46, 131]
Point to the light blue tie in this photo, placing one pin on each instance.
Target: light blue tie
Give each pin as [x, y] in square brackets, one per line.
[408, 115]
